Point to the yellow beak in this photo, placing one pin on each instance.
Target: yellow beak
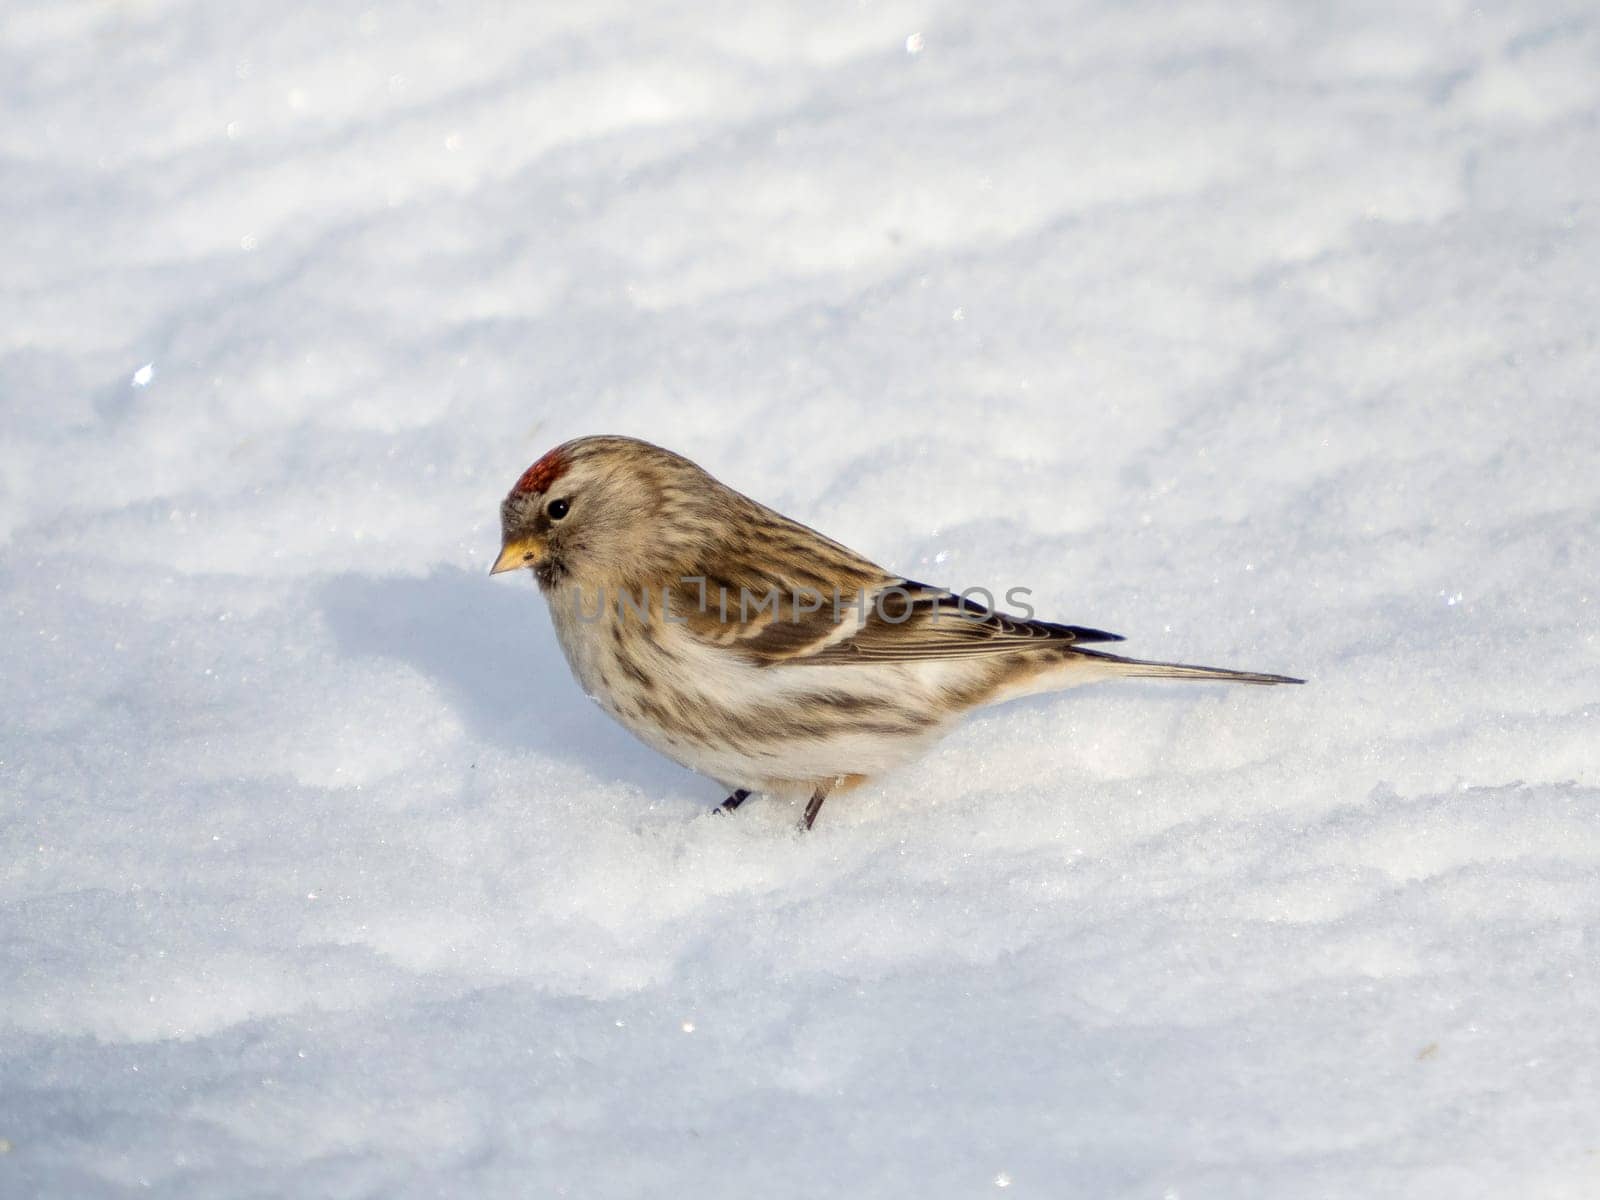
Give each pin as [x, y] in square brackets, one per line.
[521, 552]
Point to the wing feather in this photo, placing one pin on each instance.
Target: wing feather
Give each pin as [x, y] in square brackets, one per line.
[868, 617]
[782, 594]
[912, 622]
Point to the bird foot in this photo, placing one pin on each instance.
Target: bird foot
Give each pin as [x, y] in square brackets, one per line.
[733, 801]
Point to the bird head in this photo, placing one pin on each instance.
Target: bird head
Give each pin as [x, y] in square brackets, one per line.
[596, 511]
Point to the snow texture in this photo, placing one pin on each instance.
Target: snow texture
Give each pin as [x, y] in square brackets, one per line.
[1262, 333]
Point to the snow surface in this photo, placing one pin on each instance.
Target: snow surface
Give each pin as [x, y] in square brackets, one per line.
[1264, 334]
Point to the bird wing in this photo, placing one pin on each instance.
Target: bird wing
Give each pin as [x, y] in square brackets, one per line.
[862, 616]
[911, 622]
[769, 590]
[780, 593]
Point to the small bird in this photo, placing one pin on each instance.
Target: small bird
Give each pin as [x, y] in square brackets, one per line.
[751, 648]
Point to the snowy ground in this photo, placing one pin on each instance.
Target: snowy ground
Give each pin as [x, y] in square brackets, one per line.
[1264, 334]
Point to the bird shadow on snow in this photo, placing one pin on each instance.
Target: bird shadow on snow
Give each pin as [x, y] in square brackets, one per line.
[490, 647]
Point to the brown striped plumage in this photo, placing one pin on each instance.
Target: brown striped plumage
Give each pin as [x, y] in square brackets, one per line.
[686, 610]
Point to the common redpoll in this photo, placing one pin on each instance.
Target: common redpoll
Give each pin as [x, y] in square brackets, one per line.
[754, 650]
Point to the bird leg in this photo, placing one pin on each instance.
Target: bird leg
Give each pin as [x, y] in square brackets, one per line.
[739, 796]
[812, 809]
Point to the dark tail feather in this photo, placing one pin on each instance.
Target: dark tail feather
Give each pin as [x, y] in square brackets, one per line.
[1140, 669]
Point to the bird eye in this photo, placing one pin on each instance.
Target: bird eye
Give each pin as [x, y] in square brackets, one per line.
[557, 509]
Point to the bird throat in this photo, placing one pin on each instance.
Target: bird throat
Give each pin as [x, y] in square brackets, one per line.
[550, 572]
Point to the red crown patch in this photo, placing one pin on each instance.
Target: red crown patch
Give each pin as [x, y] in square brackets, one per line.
[542, 474]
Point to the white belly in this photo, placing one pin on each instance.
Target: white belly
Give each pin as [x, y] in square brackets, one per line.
[774, 728]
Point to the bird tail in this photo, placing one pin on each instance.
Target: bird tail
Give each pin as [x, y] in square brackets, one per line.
[1116, 664]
